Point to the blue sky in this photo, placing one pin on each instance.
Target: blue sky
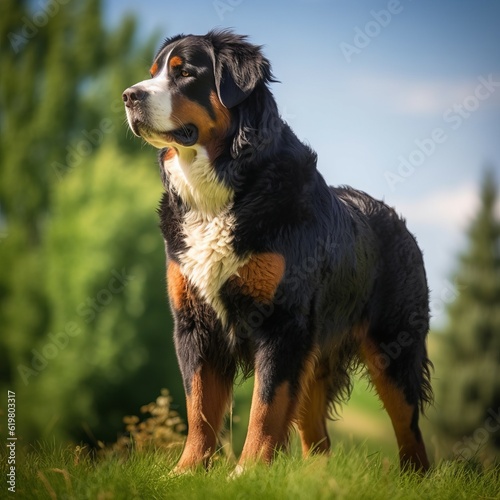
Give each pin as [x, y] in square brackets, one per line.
[400, 98]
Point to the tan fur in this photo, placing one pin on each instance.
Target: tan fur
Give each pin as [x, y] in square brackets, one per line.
[176, 285]
[206, 405]
[269, 424]
[175, 61]
[154, 69]
[169, 154]
[260, 276]
[313, 408]
[411, 448]
[211, 130]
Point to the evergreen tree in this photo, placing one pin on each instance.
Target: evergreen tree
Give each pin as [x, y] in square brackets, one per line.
[77, 204]
[39, 95]
[108, 349]
[469, 408]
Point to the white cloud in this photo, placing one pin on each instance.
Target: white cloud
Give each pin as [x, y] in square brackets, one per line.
[428, 98]
[447, 208]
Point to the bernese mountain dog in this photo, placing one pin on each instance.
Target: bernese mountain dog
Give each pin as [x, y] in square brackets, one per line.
[270, 271]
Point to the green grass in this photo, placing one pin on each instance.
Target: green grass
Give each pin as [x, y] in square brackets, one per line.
[51, 472]
[363, 465]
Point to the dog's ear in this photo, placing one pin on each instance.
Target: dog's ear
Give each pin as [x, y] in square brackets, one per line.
[231, 93]
[238, 67]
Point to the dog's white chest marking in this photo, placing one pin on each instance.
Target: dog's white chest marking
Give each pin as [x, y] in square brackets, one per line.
[209, 260]
[193, 177]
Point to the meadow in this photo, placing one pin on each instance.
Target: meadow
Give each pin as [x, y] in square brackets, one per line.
[50, 472]
[363, 464]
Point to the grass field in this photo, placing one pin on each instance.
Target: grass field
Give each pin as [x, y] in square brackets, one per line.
[363, 465]
[54, 473]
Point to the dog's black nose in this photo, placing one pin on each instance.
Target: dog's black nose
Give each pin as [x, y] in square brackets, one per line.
[133, 95]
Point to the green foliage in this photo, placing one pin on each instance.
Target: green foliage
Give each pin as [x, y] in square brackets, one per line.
[52, 472]
[104, 276]
[469, 372]
[86, 329]
[161, 429]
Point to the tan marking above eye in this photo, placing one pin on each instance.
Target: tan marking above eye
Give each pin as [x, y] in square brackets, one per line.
[154, 69]
[175, 62]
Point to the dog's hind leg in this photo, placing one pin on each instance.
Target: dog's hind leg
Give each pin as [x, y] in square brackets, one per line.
[401, 403]
[313, 409]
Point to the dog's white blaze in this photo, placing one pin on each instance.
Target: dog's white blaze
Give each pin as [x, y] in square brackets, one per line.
[159, 102]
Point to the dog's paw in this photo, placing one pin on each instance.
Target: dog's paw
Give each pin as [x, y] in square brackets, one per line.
[237, 472]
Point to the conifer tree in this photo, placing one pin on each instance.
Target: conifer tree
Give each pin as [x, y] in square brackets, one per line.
[469, 401]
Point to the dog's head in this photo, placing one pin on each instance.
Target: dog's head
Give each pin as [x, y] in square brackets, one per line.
[196, 84]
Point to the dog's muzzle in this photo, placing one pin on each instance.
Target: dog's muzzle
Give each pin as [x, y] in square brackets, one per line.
[134, 98]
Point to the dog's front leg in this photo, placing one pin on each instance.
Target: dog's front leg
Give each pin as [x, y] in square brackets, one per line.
[207, 397]
[269, 423]
[207, 369]
[281, 359]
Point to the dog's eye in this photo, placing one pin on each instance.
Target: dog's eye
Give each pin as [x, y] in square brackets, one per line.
[185, 73]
